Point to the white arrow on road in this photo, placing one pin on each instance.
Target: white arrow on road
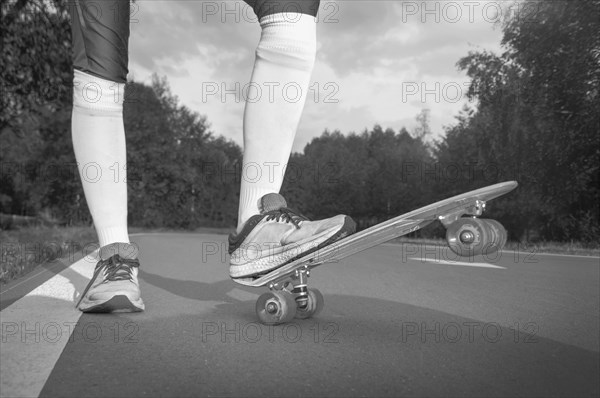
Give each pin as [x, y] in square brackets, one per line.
[462, 263]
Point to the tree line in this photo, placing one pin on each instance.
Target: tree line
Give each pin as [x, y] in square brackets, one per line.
[533, 117]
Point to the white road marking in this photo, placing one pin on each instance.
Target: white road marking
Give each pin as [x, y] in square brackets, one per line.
[522, 251]
[36, 329]
[461, 263]
[91, 261]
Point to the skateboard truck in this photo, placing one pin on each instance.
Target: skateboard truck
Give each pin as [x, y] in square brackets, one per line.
[299, 282]
[475, 210]
[301, 287]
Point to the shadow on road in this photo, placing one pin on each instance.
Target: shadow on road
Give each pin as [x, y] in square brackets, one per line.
[357, 346]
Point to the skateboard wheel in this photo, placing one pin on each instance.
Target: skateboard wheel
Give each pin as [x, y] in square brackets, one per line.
[316, 302]
[496, 236]
[466, 236]
[273, 308]
[474, 236]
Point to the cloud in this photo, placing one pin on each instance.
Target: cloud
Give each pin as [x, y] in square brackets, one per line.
[368, 52]
[168, 33]
[371, 34]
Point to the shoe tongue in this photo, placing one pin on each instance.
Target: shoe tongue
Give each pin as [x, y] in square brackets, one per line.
[125, 250]
[270, 202]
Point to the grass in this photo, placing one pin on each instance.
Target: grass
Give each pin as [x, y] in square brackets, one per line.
[25, 248]
[574, 248]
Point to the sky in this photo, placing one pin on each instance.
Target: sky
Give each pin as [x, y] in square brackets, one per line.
[378, 62]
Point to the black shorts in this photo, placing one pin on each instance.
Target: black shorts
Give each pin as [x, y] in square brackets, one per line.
[100, 32]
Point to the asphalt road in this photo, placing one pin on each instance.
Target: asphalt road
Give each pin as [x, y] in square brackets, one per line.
[399, 320]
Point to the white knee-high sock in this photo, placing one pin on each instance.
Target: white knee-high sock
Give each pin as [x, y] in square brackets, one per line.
[99, 144]
[277, 92]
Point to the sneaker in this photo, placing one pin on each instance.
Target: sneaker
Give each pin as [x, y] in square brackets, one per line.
[114, 286]
[279, 235]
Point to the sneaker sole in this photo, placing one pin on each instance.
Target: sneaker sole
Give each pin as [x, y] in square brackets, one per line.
[119, 303]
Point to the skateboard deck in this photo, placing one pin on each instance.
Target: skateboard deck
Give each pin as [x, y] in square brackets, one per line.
[465, 236]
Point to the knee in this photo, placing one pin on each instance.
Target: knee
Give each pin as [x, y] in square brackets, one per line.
[92, 94]
[288, 39]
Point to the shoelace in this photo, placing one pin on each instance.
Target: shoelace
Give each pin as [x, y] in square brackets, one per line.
[287, 214]
[117, 269]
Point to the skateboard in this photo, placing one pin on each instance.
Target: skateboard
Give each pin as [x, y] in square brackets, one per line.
[466, 235]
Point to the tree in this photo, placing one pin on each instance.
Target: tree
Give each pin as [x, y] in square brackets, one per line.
[168, 144]
[35, 67]
[35, 76]
[174, 163]
[537, 118]
[371, 177]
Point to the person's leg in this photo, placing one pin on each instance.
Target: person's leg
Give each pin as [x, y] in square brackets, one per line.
[99, 144]
[97, 120]
[284, 62]
[100, 33]
[269, 234]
